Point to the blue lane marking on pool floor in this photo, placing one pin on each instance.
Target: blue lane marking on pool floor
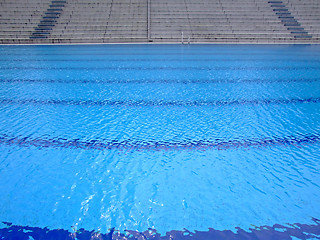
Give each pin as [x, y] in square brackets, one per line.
[143, 81]
[158, 103]
[132, 144]
[48, 68]
[212, 60]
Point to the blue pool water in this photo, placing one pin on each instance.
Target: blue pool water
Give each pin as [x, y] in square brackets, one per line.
[168, 137]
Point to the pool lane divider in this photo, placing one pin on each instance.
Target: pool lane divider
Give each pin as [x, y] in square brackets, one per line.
[159, 103]
[161, 81]
[132, 144]
[121, 68]
[277, 231]
[193, 60]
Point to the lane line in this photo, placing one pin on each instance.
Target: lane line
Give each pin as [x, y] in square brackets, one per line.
[131, 144]
[138, 103]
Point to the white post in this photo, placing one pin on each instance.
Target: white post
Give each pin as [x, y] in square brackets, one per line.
[148, 19]
[188, 39]
[181, 37]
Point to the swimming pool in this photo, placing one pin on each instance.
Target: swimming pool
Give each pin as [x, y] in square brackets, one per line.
[166, 137]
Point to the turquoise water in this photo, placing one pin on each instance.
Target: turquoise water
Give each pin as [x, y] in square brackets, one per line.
[159, 136]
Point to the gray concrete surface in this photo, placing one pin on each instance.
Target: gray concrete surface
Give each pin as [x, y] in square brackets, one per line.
[194, 21]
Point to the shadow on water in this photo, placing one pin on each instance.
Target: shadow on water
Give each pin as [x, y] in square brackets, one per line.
[277, 231]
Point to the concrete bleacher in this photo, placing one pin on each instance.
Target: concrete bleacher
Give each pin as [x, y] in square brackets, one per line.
[206, 20]
[308, 14]
[103, 21]
[18, 19]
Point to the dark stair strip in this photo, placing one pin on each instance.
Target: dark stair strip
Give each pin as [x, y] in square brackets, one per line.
[48, 21]
[288, 20]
